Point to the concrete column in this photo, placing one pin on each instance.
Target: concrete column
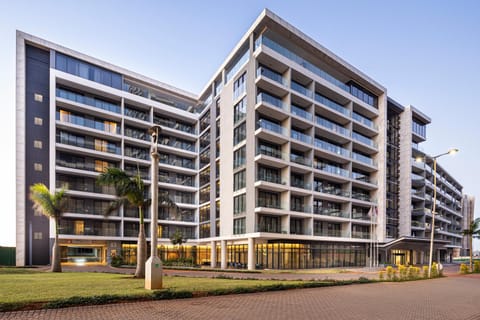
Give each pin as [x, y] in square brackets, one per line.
[251, 254]
[213, 254]
[223, 254]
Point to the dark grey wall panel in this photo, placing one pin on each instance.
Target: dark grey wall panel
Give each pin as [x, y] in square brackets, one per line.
[37, 82]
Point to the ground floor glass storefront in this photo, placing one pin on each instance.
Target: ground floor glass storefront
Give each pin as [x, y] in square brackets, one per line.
[268, 255]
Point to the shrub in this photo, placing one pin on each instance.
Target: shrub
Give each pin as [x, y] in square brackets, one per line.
[381, 275]
[389, 272]
[425, 272]
[464, 268]
[434, 271]
[476, 267]
[402, 270]
[117, 261]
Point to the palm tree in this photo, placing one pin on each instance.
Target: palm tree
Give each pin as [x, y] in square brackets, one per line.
[131, 190]
[178, 240]
[52, 206]
[473, 231]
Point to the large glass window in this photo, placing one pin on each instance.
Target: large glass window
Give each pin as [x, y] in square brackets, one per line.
[237, 64]
[239, 204]
[239, 180]
[239, 157]
[87, 71]
[239, 133]
[239, 226]
[240, 110]
[239, 87]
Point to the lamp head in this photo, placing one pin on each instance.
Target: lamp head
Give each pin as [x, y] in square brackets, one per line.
[452, 151]
[419, 159]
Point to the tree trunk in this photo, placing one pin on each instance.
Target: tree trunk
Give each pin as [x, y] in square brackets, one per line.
[141, 253]
[471, 252]
[56, 266]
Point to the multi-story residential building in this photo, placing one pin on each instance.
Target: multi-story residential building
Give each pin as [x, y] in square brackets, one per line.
[289, 158]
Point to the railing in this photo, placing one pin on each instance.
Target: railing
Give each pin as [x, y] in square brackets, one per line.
[265, 97]
[361, 138]
[268, 228]
[300, 112]
[328, 234]
[272, 153]
[174, 125]
[94, 102]
[361, 177]
[361, 119]
[302, 208]
[270, 126]
[332, 126]
[331, 147]
[361, 216]
[361, 196]
[263, 203]
[332, 169]
[270, 74]
[333, 191]
[364, 159]
[106, 126]
[270, 178]
[360, 235]
[301, 185]
[301, 89]
[300, 160]
[331, 212]
[301, 137]
[332, 104]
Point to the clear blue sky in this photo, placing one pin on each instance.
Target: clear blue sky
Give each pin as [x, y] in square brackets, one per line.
[427, 53]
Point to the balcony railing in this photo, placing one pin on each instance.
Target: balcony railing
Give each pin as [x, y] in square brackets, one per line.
[332, 169]
[299, 136]
[272, 153]
[301, 113]
[332, 126]
[265, 97]
[300, 160]
[361, 177]
[333, 191]
[271, 126]
[418, 224]
[332, 104]
[93, 102]
[364, 140]
[301, 208]
[270, 178]
[367, 122]
[301, 89]
[361, 196]
[331, 212]
[301, 185]
[364, 159]
[270, 74]
[360, 235]
[324, 145]
[266, 203]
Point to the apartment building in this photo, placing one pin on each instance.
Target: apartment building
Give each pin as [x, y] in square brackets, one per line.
[289, 158]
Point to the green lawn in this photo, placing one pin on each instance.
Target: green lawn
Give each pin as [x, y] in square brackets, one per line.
[27, 286]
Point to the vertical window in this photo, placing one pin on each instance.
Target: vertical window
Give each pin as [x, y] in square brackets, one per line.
[101, 166]
[37, 144]
[65, 116]
[38, 121]
[38, 167]
[239, 180]
[240, 110]
[37, 236]
[239, 204]
[239, 133]
[239, 87]
[239, 157]
[239, 226]
[38, 97]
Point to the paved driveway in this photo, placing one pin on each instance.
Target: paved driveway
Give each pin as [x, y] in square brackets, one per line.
[451, 298]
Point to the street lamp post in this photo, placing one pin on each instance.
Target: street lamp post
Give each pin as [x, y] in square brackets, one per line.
[153, 266]
[430, 258]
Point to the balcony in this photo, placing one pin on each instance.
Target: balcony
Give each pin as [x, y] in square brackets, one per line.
[332, 126]
[361, 196]
[363, 159]
[418, 224]
[300, 160]
[331, 212]
[330, 233]
[93, 102]
[294, 110]
[361, 177]
[301, 89]
[301, 208]
[277, 179]
[270, 74]
[330, 147]
[332, 105]
[301, 185]
[271, 100]
[361, 216]
[360, 235]
[331, 169]
[333, 191]
[271, 126]
[366, 141]
[365, 121]
[299, 136]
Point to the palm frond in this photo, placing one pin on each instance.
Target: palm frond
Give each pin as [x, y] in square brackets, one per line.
[50, 205]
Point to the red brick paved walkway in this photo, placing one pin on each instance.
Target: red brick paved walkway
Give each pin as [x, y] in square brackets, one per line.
[440, 299]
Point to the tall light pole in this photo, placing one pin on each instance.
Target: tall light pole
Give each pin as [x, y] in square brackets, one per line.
[434, 158]
[153, 266]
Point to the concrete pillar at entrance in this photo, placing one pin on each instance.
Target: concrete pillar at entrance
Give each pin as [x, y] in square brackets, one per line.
[251, 254]
[223, 254]
[213, 254]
